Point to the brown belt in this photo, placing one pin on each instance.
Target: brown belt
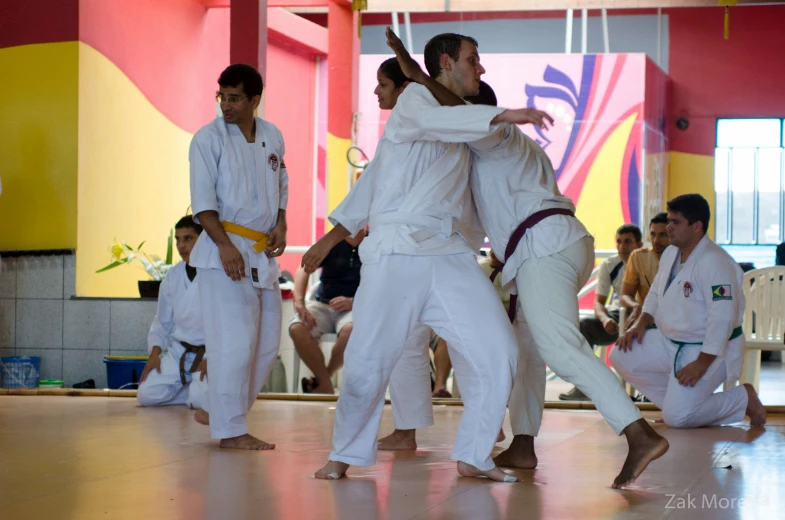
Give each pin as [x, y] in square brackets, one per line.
[534, 219]
[198, 350]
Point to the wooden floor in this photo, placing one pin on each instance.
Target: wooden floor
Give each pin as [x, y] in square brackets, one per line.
[106, 458]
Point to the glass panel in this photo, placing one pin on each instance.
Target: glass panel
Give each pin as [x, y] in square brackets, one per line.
[721, 165]
[769, 164]
[742, 162]
[749, 132]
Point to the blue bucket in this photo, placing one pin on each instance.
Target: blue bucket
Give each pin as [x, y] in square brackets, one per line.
[123, 372]
[20, 372]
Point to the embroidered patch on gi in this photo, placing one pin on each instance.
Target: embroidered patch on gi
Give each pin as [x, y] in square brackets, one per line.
[720, 292]
[687, 289]
[273, 160]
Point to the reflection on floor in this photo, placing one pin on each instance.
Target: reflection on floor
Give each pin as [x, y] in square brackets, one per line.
[106, 458]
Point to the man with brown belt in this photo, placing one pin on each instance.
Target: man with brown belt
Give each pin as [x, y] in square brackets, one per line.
[177, 376]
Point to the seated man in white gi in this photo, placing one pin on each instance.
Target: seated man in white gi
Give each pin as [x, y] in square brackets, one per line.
[330, 312]
[177, 376]
[548, 254]
[603, 328]
[688, 340]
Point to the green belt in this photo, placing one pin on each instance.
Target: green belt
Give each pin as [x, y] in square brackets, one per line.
[681, 344]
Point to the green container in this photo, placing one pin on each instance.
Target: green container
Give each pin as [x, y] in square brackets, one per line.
[50, 383]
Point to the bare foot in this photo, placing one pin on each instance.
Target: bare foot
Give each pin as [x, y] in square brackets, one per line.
[333, 470]
[442, 393]
[501, 436]
[398, 440]
[755, 409]
[519, 455]
[467, 470]
[202, 417]
[645, 446]
[245, 442]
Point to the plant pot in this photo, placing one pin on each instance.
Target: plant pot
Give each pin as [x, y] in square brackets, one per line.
[149, 288]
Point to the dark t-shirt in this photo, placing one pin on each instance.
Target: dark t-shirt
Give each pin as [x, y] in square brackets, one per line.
[340, 273]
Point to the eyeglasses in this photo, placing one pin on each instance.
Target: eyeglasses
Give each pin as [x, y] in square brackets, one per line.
[232, 99]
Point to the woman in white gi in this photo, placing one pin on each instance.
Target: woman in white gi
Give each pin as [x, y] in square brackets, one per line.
[696, 303]
[179, 375]
[239, 190]
[419, 266]
[549, 255]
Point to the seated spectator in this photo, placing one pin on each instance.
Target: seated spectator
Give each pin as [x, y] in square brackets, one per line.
[603, 328]
[642, 267]
[441, 358]
[177, 376]
[329, 312]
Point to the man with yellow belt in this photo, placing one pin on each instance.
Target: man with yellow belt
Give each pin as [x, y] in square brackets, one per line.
[696, 304]
[239, 190]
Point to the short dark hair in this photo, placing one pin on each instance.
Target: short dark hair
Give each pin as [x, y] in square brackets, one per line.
[659, 218]
[486, 96]
[694, 208]
[630, 228]
[392, 69]
[245, 75]
[447, 43]
[188, 222]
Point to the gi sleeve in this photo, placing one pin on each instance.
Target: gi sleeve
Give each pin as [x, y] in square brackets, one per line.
[354, 211]
[283, 180]
[163, 323]
[417, 116]
[203, 158]
[721, 292]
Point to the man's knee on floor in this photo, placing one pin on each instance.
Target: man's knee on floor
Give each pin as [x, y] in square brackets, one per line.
[619, 360]
[678, 417]
[152, 395]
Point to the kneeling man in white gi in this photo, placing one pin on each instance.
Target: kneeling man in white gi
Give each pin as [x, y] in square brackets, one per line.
[696, 306]
[179, 375]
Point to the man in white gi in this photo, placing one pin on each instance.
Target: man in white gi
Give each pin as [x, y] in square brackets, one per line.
[696, 305]
[548, 254]
[239, 190]
[177, 376]
[419, 266]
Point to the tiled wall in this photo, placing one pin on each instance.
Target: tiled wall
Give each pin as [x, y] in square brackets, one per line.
[38, 317]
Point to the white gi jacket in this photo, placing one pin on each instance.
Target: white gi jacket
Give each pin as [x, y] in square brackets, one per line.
[415, 194]
[246, 183]
[703, 304]
[179, 315]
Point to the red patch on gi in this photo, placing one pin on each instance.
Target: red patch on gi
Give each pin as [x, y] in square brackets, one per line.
[687, 289]
[273, 160]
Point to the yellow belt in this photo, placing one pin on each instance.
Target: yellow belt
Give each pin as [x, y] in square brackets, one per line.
[251, 234]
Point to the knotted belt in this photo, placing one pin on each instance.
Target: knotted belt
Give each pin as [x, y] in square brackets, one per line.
[534, 219]
[198, 350]
[251, 234]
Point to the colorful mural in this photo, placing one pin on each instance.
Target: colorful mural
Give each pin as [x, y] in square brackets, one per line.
[597, 143]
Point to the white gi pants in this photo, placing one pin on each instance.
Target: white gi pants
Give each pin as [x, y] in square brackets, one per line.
[450, 294]
[167, 388]
[527, 400]
[649, 368]
[242, 329]
[410, 383]
[549, 287]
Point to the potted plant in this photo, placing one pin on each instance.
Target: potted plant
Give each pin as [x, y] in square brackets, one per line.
[155, 268]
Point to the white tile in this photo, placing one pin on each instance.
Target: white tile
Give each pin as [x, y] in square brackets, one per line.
[86, 324]
[69, 276]
[80, 365]
[8, 278]
[39, 277]
[39, 323]
[130, 323]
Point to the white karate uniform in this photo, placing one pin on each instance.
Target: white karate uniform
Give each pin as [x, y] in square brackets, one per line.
[179, 318]
[701, 306]
[246, 183]
[511, 179]
[419, 266]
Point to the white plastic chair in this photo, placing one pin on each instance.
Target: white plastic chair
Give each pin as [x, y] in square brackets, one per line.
[764, 318]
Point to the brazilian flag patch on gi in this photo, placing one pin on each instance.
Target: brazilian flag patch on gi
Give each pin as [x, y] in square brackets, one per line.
[720, 292]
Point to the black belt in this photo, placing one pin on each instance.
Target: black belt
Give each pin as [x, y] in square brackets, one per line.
[516, 237]
[198, 350]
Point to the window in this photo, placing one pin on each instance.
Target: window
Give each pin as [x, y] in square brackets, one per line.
[749, 177]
